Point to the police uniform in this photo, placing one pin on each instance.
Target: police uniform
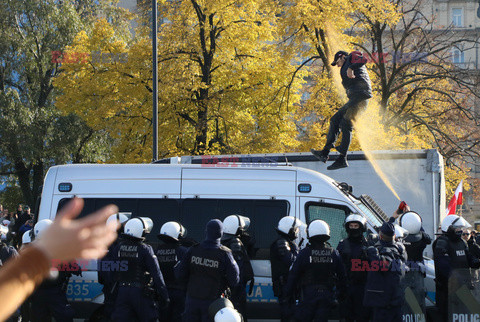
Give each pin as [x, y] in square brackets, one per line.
[353, 253]
[107, 277]
[283, 252]
[384, 291]
[135, 299]
[168, 255]
[239, 252]
[317, 269]
[49, 299]
[414, 281]
[452, 262]
[209, 269]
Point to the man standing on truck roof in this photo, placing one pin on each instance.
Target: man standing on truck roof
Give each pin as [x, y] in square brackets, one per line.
[209, 269]
[357, 84]
[353, 251]
[283, 252]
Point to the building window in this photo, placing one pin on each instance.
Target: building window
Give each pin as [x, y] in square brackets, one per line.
[458, 56]
[457, 17]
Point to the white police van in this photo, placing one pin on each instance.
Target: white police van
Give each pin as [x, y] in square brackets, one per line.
[193, 194]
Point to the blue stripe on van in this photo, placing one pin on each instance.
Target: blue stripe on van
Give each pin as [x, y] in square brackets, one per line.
[80, 290]
[262, 292]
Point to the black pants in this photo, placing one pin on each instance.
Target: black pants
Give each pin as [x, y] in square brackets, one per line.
[342, 120]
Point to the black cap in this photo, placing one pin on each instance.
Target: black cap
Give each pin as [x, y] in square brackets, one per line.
[388, 229]
[338, 55]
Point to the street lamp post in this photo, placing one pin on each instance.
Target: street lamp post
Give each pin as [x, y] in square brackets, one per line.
[155, 80]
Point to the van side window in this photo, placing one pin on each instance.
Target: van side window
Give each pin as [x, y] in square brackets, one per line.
[333, 215]
[194, 214]
[159, 210]
[264, 216]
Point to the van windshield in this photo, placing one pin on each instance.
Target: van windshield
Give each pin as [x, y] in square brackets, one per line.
[372, 217]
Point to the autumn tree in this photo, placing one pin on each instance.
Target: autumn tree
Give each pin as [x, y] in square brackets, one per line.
[33, 133]
[225, 83]
[422, 96]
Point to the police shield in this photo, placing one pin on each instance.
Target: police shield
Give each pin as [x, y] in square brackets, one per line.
[463, 301]
[413, 309]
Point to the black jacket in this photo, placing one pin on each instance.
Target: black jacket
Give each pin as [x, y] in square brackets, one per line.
[359, 87]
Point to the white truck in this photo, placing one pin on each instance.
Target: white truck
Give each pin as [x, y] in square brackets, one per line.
[417, 176]
[194, 193]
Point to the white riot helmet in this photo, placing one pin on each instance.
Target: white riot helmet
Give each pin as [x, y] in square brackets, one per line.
[138, 227]
[234, 224]
[400, 232]
[40, 227]
[173, 230]
[318, 228]
[411, 221]
[27, 237]
[120, 217]
[290, 226]
[3, 232]
[228, 314]
[358, 219]
[455, 221]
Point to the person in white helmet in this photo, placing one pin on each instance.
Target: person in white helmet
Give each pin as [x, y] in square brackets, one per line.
[133, 300]
[415, 243]
[353, 251]
[50, 299]
[233, 228]
[228, 314]
[222, 310]
[452, 265]
[210, 270]
[318, 270]
[107, 268]
[169, 253]
[6, 252]
[283, 252]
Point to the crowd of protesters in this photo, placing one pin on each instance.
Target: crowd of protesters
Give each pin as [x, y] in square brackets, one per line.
[17, 222]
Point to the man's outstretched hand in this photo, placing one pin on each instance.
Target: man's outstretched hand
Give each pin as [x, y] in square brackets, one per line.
[88, 238]
[350, 73]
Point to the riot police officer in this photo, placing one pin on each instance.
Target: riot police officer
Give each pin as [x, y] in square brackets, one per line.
[136, 297]
[318, 268]
[415, 243]
[49, 299]
[234, 226]
[384, 288]
[353, 251]
[209, 269]
[283, 252]
[452, 262]
[169, 253]
[106, 275]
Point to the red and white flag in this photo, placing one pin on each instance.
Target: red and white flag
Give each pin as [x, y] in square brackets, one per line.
[456, 200]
